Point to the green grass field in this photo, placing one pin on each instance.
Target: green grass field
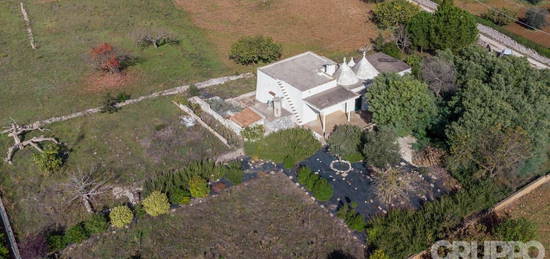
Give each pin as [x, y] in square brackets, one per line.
[138, 141]
[55, 78]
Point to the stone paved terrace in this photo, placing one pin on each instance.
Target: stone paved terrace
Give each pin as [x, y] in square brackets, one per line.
[360, 119]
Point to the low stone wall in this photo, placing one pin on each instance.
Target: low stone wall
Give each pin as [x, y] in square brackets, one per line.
[225, 122]
[9, 232]
[202, 123]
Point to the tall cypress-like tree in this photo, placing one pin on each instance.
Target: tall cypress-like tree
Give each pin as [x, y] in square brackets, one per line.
[452, 28]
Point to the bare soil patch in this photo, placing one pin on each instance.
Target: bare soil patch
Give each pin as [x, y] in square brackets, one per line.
[268, 217]
[104, 82]
[535, 207]
[299, 25]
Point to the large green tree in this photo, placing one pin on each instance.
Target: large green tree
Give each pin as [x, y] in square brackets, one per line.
[345, 141]
[452, 28]
[402, 103]
[390, 14]
[419, 30]
[503, 91]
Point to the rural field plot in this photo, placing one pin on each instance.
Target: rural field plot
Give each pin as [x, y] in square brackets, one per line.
[520, 6]
[128, 146]
[327, 27]
[268, 217]
[57, 78]
[535, 207]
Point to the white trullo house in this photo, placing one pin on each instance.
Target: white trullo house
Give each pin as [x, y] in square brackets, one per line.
[311, 86]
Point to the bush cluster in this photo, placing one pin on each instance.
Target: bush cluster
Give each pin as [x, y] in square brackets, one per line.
[318, 186]
[500, 16]
[192, 180]
[353, 219]
[256, 49]
[288, 146]
[402, 233]
[77, 233]
[253, 133]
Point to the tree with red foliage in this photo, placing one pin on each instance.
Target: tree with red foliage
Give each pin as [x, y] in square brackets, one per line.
[106, 58]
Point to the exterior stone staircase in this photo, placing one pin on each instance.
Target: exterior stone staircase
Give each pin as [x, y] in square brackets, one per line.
[290, 102]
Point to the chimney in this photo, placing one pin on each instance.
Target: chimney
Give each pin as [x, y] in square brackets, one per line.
[329, 69]
[277, 107]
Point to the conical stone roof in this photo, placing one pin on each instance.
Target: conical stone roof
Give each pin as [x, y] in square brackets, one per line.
[346, 76]
[364, 70]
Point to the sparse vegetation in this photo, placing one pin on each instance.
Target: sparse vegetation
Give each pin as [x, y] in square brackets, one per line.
[519, 229]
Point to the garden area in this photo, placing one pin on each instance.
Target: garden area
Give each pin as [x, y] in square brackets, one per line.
[266, 217]
[123, 149]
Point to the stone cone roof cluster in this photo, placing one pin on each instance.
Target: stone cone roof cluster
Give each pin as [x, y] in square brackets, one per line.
[350, 73]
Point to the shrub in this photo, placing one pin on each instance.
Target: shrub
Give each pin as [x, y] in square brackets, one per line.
[234, 174]
[179, 196]
[96, 224]
[353, 219]
[393, 13]
[345, 141]
[106, 58]
[378, 254]
[318, 186]
[253, 133]
[391, 49]
[75, 234]
[536, 17]
[519, 229]
[110, 102]
[501, 16]
[121, 216]
[322, 189]
[56, 242]
[154, 37]
[156, 204]
[198, 187]
[286, 146]
[381, 149]
[50, 160]
[253, 50]
[193, 91]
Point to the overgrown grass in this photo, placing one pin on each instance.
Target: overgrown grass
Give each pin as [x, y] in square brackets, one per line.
[135, 143]
[53, 79]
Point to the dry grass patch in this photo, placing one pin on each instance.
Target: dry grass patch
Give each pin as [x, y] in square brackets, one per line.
[535, 207]
[268, 217]
[322, 25]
